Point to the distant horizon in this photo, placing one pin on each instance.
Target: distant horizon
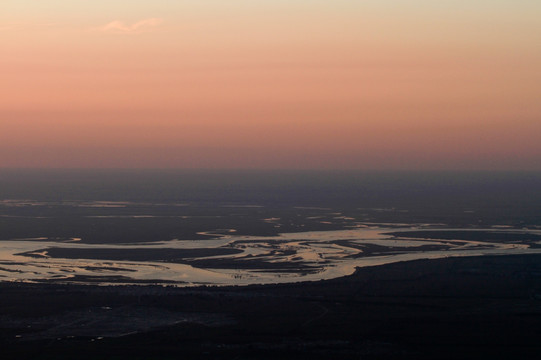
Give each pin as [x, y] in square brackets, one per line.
[323, 170]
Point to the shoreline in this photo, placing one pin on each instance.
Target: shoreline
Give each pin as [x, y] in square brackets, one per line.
[218, 287]
[246, 260]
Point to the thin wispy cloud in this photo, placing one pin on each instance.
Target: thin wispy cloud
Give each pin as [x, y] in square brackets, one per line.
[120, 27]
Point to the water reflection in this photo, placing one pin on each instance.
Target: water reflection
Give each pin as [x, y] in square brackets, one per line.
[236, 260]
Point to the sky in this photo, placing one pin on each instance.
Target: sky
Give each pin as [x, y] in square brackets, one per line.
[302, 84]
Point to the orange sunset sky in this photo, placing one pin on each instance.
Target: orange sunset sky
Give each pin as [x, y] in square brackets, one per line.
[339, 84]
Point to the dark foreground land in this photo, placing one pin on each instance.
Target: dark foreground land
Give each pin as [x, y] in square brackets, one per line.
[455, 308]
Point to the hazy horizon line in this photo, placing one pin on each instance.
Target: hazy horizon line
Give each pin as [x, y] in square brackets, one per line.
[288, 169]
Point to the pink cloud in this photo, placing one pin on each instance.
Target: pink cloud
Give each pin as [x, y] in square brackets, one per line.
[119, 27]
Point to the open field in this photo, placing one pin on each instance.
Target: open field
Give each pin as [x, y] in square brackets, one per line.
[461, 307]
